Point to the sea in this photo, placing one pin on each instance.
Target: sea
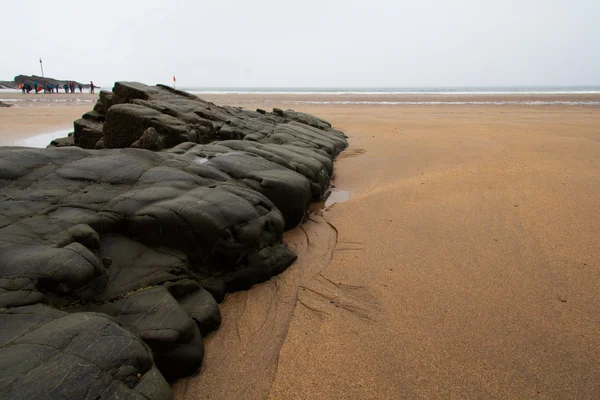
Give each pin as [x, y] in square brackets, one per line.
[371, 95]
[472, 90]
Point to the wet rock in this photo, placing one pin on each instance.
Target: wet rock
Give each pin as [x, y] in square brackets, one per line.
[150, 140]
[63, 142]
[48, 354]
[125, 124]
[93, 116]
[126, 114]
[182, 202]
[88, 130]
[168, 223]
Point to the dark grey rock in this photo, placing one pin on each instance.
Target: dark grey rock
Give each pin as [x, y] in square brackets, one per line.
[49, 354]
[125, 124]
[150, 140]
[169, 224]
[145, 243]
[87, 131]
[180, 117]
[63, 142]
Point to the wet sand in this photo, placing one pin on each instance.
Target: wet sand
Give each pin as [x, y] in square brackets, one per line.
[40, 114]
[465, 264]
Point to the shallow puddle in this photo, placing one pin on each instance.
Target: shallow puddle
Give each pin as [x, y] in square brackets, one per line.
[39, 141]
[333, 196]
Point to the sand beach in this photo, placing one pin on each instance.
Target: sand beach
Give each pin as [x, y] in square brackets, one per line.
[463, 262]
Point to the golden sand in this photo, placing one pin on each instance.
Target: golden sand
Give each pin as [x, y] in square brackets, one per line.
[466, 264]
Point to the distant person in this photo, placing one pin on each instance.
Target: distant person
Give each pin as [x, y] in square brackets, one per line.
[80, 87]
[92, 87]
[22, 86]
[56, 87]
[35, 86]
[28, 88]
[66, 87]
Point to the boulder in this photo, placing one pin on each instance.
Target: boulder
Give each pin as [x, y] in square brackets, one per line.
[125, 124]
[63, 142]
[150, 140]
[87, 131]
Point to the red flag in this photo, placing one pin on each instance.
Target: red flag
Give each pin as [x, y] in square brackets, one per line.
[174, 80]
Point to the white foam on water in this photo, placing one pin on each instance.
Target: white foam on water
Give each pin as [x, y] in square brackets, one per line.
[497, 103]
[391, 93]
[399, 91]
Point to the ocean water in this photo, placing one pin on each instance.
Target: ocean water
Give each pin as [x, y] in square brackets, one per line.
[453, 93]
[489, 90]
[368, 95]
[458, 102]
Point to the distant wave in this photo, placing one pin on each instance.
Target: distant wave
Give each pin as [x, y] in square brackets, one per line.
[200, 92]
[498, 103]
[410, 91]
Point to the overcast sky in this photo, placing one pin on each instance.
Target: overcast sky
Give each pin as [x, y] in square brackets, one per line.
[307, 43]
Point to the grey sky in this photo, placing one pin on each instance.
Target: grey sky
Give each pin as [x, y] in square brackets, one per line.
[315, 43]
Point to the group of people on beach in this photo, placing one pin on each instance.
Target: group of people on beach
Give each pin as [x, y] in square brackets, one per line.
[69, 87]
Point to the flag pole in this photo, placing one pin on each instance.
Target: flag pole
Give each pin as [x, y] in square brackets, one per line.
[41, 66]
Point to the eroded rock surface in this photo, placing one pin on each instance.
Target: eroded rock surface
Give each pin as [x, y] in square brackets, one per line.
[117, 257]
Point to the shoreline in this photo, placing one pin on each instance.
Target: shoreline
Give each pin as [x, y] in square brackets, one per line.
[19, 124]
[400, 99]
[531, 99]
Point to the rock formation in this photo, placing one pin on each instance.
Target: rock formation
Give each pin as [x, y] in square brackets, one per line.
[8, 85]
[5, 105]
[41, 81]
[113, 259]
